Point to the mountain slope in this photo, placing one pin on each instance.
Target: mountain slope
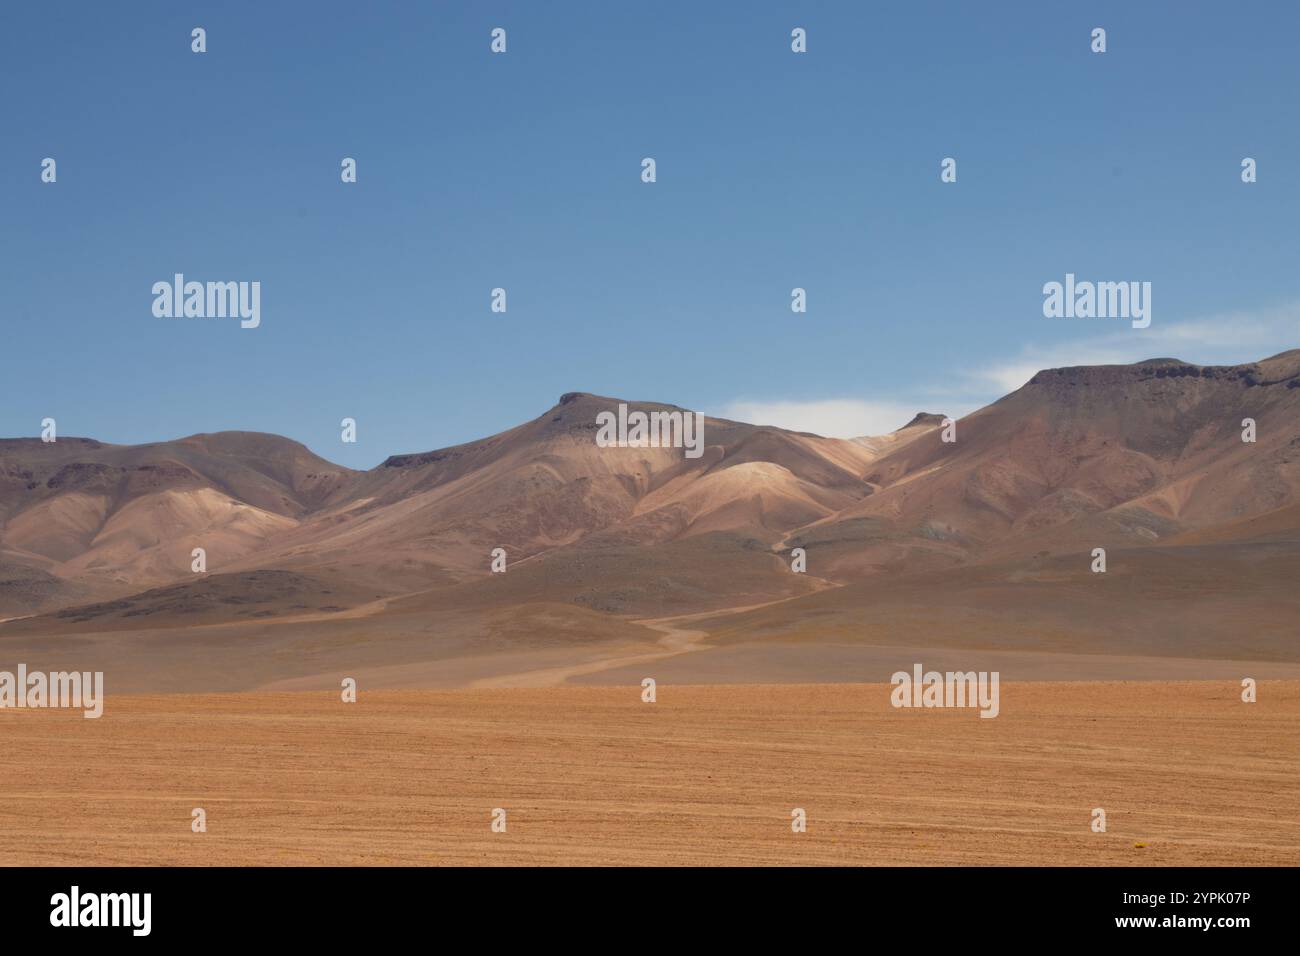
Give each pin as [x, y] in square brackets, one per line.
[1083, 457]
[547, 484]
[100, 519]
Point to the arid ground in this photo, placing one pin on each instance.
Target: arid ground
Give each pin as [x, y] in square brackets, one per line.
[1186, 772]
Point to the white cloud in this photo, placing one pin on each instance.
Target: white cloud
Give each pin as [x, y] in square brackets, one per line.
[1227, 339]
[833, 418]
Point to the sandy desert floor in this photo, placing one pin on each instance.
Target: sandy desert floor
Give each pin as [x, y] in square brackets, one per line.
[705, 775]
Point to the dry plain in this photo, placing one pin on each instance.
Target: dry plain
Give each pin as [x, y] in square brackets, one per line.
[1187, 774]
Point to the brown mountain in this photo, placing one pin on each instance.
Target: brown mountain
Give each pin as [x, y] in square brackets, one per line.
[79, 517]
[1109, 455]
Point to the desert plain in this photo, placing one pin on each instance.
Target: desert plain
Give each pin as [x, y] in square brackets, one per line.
[707, 774]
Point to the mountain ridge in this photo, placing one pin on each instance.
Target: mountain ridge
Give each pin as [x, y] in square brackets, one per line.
[1125, 455]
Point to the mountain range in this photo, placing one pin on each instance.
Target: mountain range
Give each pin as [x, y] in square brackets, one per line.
[982, 533]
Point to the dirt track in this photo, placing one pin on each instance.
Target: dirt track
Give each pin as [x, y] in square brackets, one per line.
[705, 775]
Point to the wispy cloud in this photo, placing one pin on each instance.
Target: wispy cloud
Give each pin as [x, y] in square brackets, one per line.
[1224, 339]
[1228, 339]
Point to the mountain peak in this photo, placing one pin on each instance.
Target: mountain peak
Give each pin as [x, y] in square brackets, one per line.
[924, 418]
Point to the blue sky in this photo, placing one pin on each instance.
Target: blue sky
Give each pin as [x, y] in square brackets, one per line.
[522, 171]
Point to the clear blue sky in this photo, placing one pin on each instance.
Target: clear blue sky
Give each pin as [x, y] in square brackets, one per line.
[522, 170]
